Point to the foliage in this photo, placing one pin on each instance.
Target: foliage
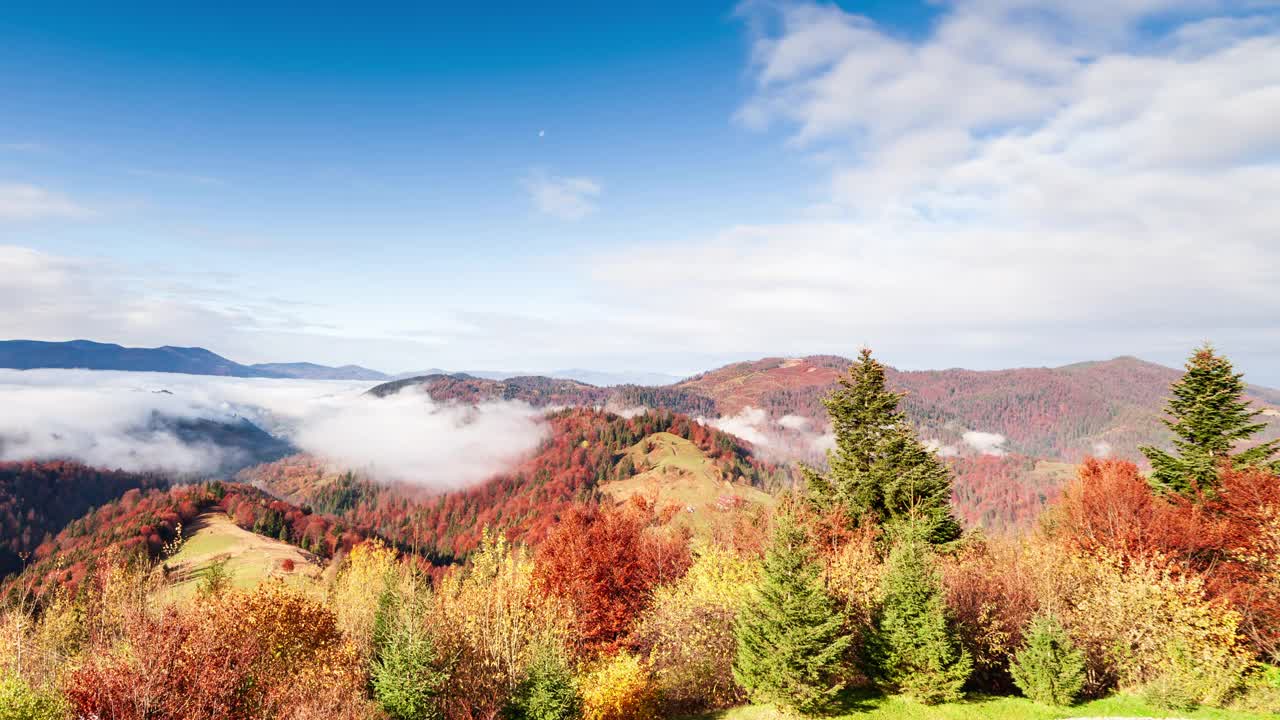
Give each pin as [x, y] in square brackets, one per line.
[915, 649]
[1209, 418]
[215, 580]
[19, 701]
[407, 673]
[1049, 668]
[619, 687]
[688, 632]
[548, 691]
[792, 643]
[369, 571]
[879, 471]
[993, 592]
[605, 563]
[1138, 621]
[492, 620]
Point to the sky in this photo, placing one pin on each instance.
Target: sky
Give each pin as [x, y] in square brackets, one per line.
[657, 186]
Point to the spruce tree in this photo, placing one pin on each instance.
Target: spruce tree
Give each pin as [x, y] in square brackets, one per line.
[879, 471]
[791, 639]
[1049, 669]
[1208, 417]
[914, 649]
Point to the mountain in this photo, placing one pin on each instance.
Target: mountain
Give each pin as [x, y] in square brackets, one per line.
[89, 355]
[312, 371]
[589, 377]
[540, 391]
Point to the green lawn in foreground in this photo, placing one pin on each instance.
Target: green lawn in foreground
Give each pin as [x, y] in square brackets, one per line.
[995, 708]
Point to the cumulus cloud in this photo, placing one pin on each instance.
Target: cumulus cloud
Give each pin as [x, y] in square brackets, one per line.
[567, 198]
[107, 418]
[987, 443]
[28, 202]
[1090, 174]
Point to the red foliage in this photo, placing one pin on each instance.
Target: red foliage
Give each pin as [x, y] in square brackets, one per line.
[1109, 506]
[606, 562]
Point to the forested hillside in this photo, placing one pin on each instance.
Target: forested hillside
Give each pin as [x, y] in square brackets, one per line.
[585, 449]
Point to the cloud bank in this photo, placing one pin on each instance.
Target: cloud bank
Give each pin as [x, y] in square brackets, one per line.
[106, 418]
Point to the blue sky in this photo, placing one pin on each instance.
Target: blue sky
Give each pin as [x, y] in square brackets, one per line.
[659, 186]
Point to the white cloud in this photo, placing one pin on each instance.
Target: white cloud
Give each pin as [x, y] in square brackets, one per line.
[987, 443]
[940, 449]
[104, 418]
[29, 202]
[567, 198]
[1023, 176]
[749, 423]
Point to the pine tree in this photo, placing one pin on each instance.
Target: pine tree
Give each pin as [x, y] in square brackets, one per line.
[791, 638]
[914, 649]
[1049, 669]
[879, 470]
[1209, 418]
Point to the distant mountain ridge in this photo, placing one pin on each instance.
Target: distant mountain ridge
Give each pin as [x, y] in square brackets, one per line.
[90, 355]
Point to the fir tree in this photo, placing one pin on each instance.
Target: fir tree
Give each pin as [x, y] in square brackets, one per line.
[1209, 417]
[791, 638]
[914, 649]
[879, 470]
[1049, 669]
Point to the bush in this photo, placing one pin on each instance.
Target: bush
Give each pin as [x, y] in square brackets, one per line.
[19, 701]
[548, 691]
[1050, 668]
[688, 632]
[619, 688]
[915, 650]
[991, 594]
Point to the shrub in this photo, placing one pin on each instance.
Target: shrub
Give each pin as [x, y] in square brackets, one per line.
[215, 580]
[915, 650]
[1049, 669]
[1139, 623]
[492, 619]
[991, 594]
[688, 632]
[619, 688]
[548, 691]
[19, 701]
[605, 563]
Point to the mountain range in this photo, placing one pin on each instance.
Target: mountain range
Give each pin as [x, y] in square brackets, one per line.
[89, 355]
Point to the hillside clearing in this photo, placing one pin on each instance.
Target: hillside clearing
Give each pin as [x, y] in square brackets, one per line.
[250, 558]
[673, 470]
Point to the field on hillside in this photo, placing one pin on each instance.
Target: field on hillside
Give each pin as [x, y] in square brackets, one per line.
[674, 470]
[250, 558]
[994, 708]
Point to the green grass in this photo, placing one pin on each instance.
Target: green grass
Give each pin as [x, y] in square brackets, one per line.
[994, 708]
[250, 558]
[676, 471]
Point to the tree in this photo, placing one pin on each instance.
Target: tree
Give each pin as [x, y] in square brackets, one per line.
[1209, 418]
[914, 649]
[790, 634]
[1049, 669]
[879, 470]
[406, 672]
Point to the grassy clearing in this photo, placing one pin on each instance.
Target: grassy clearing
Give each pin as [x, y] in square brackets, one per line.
[250, 558]
[676, 471]
[994, 708]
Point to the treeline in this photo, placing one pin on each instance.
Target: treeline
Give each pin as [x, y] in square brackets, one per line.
[39, 499]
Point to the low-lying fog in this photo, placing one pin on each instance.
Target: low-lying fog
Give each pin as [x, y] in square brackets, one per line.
[126, 420]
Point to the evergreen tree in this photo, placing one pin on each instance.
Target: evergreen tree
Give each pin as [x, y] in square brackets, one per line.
[791, 639]
[914, 649]
[1209, 417]
[1049, 669]
[406, 672]
[879, 470]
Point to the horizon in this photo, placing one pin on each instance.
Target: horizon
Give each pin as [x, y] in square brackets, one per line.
[960, 184]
